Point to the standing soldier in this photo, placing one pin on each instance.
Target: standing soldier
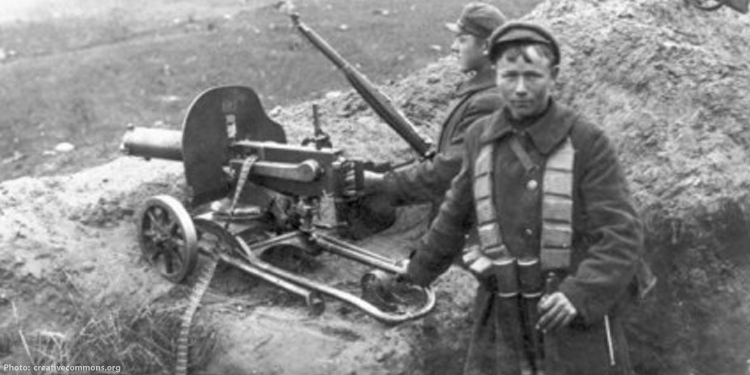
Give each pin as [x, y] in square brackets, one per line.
[560, 250]
[427, 181]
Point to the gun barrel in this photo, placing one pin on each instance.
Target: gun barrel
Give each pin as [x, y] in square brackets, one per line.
[152, 143]
[380, 103]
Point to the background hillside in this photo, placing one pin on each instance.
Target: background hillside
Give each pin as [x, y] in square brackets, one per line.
[78, 71]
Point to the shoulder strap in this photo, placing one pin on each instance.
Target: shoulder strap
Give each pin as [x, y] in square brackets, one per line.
[557, 208]
[480, 259]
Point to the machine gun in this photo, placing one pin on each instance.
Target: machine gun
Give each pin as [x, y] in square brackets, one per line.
[252, 192]
[377, 101]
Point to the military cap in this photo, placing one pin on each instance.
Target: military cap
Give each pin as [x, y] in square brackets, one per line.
[522, 32]
[478, 19]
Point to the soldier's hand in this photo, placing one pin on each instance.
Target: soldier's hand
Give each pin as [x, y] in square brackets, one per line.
[371, 181]
[556, 311]
[388, 291]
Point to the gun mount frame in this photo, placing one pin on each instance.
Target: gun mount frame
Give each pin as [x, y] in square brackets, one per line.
[253, 192]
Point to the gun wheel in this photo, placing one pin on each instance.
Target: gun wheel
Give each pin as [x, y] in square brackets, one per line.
[168, 238]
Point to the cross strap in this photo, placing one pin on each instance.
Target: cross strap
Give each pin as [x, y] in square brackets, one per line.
[557, 212]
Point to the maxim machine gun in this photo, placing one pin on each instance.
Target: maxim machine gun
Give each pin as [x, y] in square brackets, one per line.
[252, 192]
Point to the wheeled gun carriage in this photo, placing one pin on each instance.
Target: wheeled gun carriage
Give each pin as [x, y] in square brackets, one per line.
[252, 192]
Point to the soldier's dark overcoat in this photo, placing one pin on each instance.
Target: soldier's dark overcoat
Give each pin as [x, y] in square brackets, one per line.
[428, 181]
[607, 238]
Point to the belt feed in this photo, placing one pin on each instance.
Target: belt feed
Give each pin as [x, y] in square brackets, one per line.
[247, 165]
[201, 285]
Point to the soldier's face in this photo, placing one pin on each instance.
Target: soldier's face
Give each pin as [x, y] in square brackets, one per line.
[470, 52]
[525, 81]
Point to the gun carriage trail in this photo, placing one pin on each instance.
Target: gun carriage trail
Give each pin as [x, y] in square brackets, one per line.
[670, 85]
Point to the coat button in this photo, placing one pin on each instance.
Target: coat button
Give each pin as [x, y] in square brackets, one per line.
[528, 231]
[532, 185]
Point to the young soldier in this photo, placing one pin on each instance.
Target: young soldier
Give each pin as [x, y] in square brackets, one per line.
[560, 241]
[477, 97]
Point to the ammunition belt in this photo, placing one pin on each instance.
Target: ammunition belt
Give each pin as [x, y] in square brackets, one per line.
[196, 294]
[491, 257]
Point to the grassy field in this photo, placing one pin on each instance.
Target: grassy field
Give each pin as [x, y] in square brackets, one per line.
[80, 74]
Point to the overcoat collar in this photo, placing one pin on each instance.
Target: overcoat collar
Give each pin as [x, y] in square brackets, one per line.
[480, 81]
[546, 132]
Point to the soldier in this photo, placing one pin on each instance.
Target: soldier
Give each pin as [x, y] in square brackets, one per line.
[560, 250]
[477, 97]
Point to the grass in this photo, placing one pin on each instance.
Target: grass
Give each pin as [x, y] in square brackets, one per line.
[81, 80]
[130, 341]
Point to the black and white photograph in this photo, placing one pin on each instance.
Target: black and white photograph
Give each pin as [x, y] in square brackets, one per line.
[367, 187]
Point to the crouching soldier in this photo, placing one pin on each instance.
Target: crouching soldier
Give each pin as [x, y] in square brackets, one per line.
[560, 249]
[428, 181]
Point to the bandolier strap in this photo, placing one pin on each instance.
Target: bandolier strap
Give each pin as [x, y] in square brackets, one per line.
[557, 209]
[518, 283]
[557, 216]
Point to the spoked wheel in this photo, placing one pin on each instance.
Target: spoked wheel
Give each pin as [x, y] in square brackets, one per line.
[708, 5]
[168, 238]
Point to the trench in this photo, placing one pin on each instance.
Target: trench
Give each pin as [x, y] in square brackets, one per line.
[696, 319]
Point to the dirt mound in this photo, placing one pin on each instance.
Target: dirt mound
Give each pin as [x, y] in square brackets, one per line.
[671, 85]
[667, 82]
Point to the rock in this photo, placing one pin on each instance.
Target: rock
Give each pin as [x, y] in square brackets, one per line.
[333, 95]
[64, 147]
[169, 99]
[6, 295]
[385, 355]
[88, 266]
[17, 156]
